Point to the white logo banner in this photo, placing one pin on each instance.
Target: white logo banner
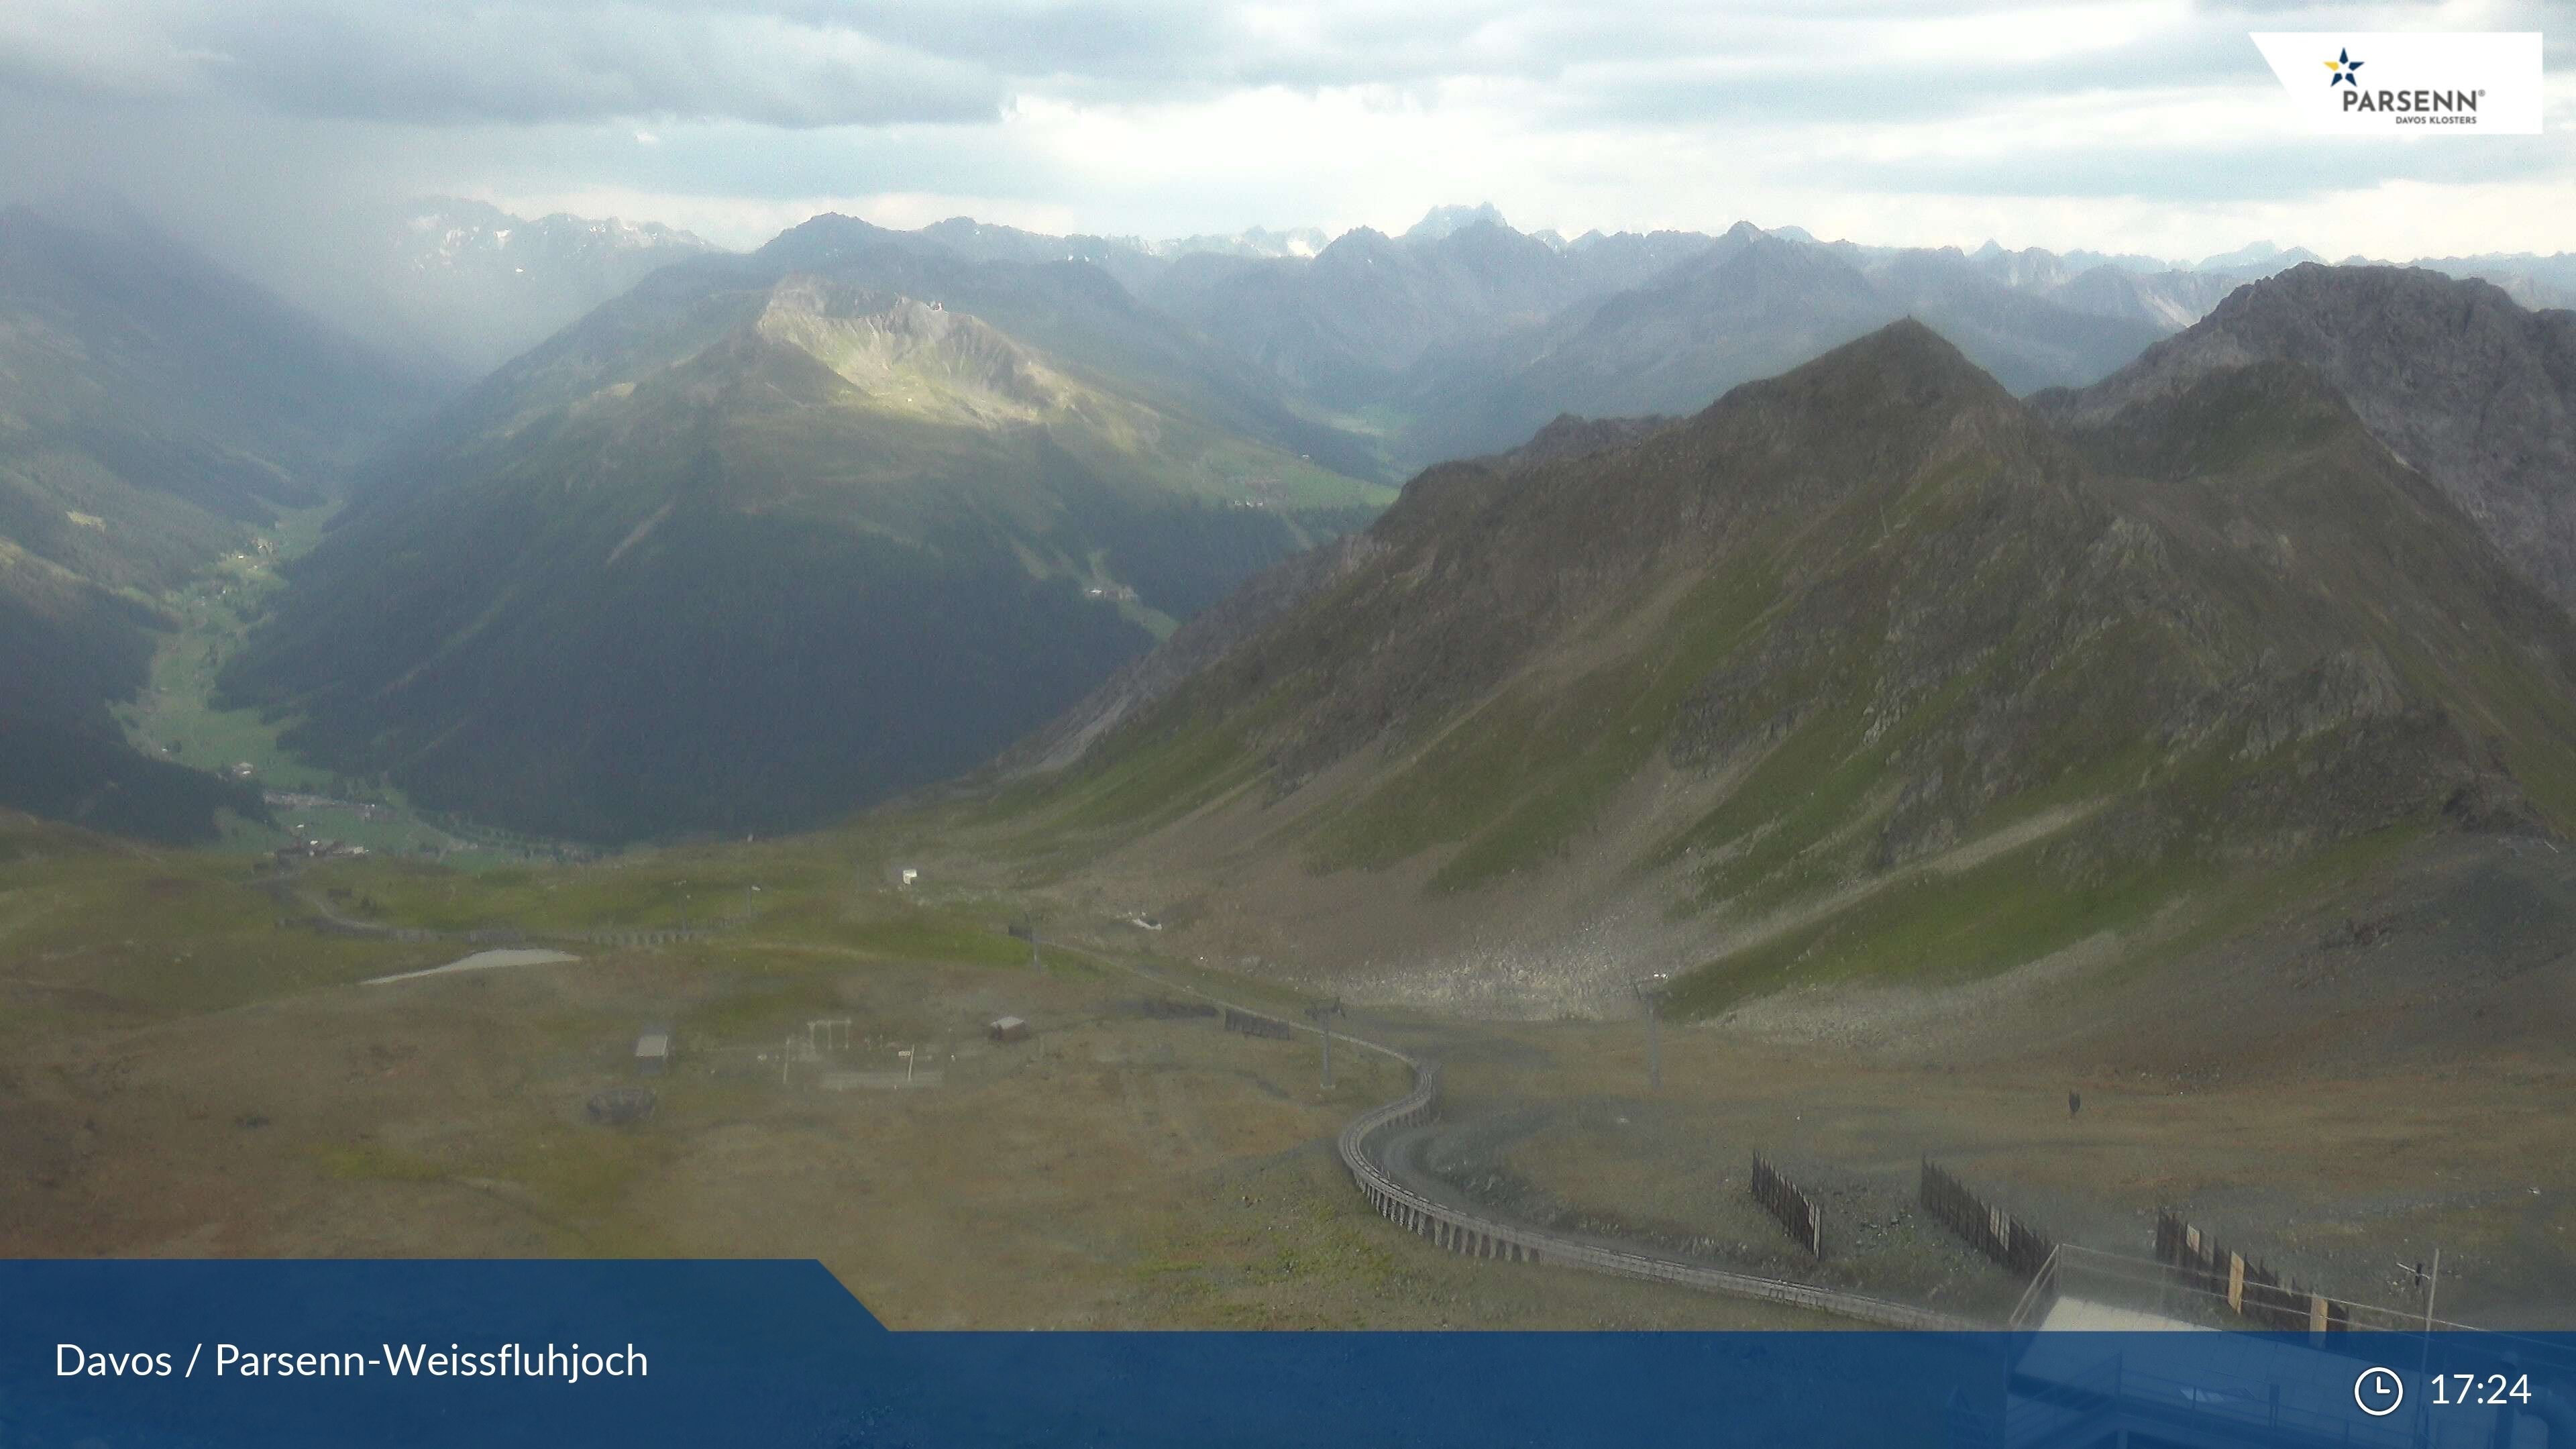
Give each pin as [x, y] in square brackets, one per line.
[2360, 83]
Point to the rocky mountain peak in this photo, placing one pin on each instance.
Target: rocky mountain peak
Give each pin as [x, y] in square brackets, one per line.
[1440, 221]
[912, 352]
[2454, 377]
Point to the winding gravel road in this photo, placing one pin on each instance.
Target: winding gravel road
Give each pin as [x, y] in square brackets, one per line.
[1384, 1150]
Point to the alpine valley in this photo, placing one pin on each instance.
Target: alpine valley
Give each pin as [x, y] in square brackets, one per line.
[2103, 724]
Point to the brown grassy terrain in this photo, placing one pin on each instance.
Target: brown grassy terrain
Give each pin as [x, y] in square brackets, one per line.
[244, 1096]
[2336, 1090]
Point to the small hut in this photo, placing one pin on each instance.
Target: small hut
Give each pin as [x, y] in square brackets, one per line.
[653, 1050]
[1009, 1028]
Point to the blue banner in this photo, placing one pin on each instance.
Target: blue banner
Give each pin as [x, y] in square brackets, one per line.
[137, 1355]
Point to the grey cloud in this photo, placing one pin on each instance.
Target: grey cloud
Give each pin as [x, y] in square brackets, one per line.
[2557, 46]
[819, 63]
[754, 163]
[2326, 170]
[1809, 91]
[248, 113]
[803, 63]
[517, 63]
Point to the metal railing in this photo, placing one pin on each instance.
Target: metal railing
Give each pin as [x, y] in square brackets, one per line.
[1478, 1236]
[1470, 1233]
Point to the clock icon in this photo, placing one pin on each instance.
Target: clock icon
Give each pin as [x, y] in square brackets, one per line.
[2378, 1392]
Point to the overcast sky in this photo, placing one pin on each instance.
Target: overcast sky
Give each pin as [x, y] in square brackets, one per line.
[2134, 125]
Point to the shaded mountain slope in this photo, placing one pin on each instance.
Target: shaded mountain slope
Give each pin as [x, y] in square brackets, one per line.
[761, 542]
[167, 400]
[156, 413]
[1865, 672]
[2167, 300]
[1263, 600]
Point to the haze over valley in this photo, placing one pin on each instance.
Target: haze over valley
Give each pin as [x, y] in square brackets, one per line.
[1048, 451]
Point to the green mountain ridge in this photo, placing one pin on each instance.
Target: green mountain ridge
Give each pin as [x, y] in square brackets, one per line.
[1864, 672]
[761, 544]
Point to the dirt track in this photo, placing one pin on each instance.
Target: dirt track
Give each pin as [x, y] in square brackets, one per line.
[2335, 1092]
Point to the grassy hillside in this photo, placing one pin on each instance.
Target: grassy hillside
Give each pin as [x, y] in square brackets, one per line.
[1864, 672]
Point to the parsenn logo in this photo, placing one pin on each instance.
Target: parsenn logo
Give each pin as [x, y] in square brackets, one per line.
[2443, 83]
[2343, 70]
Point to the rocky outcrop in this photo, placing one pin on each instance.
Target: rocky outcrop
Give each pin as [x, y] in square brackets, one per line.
[2460, 382]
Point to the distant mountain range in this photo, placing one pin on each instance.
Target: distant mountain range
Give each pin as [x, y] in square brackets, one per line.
[1463, 335]
[1866, 672]
[1346, 325]
[1749, 304]
[158, 413]
[465, 285]
[915, 491]
[1297, 241]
